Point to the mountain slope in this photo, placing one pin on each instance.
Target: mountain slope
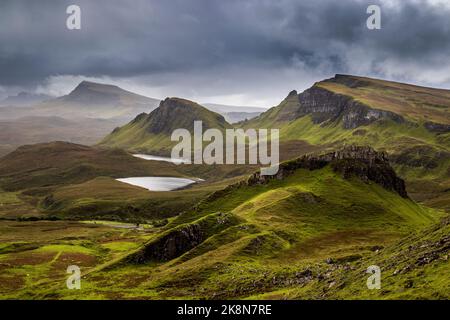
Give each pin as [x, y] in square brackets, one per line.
[357, 101]
[260, 236]
[83, 116]
[151, 132]
[411, 123]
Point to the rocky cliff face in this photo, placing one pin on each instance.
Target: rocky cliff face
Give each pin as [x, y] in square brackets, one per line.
[179, 240]
[352, 161]
[437, 127]
[171, 245]
[324, 105]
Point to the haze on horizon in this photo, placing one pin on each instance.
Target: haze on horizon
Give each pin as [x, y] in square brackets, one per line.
[230, 52]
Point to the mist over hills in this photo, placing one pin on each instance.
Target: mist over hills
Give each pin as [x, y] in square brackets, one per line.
[24, 99]
[94, 100]
[235, 114]
[85, 115]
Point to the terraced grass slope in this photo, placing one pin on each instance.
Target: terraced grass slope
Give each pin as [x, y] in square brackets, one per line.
[151, 132]
[273, 237]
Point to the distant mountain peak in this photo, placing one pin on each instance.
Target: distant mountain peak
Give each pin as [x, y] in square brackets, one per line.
[95, 86]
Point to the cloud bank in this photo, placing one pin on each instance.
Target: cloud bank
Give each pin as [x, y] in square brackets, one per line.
[236, 51]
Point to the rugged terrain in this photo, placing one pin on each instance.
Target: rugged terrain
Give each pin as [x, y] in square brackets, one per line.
[410, 123]
[306, 233]
[364, 180]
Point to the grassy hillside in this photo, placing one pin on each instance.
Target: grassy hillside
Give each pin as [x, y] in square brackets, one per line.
[74, 181]
[62, 163]
[309, 232]
[151, 132]
[413, 102]
[281, 238]
[411, 123]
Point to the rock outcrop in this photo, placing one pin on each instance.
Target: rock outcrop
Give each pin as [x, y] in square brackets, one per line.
[324, 105]
[362, 162]
[180, 239]
[170, 245]
[437, 127]
[352, 161]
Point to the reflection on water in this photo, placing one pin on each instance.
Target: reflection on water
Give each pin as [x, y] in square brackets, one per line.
[158, 183]
[158, 158]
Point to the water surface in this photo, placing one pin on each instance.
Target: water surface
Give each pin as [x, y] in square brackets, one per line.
[158, 183]
[158, 158]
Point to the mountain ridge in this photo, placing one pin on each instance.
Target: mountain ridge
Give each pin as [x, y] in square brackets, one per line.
[342, 98]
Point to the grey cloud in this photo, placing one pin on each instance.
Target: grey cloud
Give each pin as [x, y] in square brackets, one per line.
[206, 38]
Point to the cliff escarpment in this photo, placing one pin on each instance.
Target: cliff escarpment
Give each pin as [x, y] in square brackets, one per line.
[362, 162]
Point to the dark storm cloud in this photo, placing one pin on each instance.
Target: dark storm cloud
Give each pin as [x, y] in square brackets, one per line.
[141, 38]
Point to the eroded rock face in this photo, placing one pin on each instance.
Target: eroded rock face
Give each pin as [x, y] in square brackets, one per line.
[437, 127]
[171, 245]
[181, 239]
[362, 162]
[425, 156]
[324, 105]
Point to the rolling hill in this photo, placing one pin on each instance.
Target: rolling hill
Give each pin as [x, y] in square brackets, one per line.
[63, 163]
[66, 180]
[323, 215]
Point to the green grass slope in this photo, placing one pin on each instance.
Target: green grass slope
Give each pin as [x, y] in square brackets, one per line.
[264, 240]
[414, 102]
[411, 123]
[69, 180]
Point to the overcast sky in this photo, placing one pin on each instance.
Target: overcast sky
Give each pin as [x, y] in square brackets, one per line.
[249, 52]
